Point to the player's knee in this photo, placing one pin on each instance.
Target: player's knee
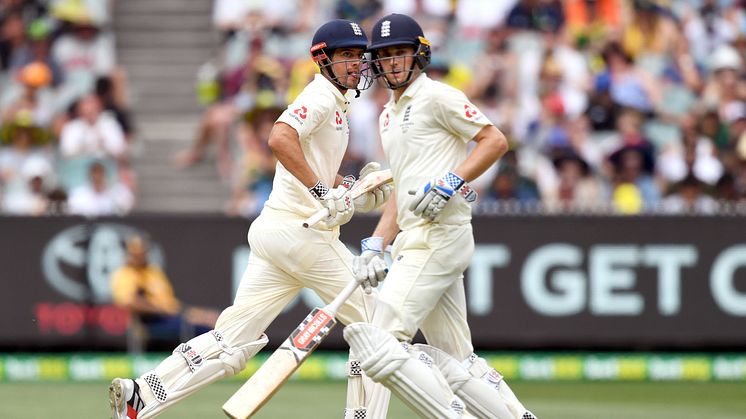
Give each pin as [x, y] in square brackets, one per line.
[479, 368]
[453, 371]
[212, 345]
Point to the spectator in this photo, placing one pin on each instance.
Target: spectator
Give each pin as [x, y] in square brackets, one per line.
[650, 34]
[261, 78]
[593, 19]
[628, 86]
[25, 143]
[84, 52]
[537, 15]
[578, 190]
[12, 41]
[633, 169]
[99, 198]
[696, 156]
[144, 290]
[93, 132]
[722, 86]
[37, 49]
[105, 90]
[31, 96]
[689, 199]
[255, 170]
[726, 191]
[509, 187]
[706, 29]
[30, 196]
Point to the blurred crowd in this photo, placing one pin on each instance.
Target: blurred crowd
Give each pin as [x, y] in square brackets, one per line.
[610, 106]
[64, 127]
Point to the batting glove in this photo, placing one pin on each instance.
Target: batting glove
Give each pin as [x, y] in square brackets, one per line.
[430, 200]
[371, 200]
[338, 201]
[370, 268]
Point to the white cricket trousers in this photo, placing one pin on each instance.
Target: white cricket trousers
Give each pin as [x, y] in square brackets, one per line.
[425, 289]
[285, 258]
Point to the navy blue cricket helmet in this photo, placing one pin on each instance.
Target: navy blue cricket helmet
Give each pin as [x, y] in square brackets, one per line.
[398, 29]
[335, 34]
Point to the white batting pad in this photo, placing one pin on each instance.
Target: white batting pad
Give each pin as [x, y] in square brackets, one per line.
[192, 366]
[385, 361]
[486, 393]
[482, 400]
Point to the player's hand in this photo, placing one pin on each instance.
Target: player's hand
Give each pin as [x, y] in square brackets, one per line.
[339, 203]
[371, 200]
[370, 268]
[430, 200]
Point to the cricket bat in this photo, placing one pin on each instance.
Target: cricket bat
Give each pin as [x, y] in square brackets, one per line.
[278, 368]
[371, 181]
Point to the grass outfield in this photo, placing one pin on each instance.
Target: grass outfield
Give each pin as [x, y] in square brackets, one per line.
[565, 400]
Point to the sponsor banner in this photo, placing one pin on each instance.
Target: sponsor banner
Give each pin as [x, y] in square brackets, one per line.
[331, 366]
[535, 282]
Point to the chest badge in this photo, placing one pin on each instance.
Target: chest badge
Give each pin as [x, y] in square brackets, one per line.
[406, 123]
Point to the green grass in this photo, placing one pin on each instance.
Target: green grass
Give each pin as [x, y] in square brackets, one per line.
[549, 400]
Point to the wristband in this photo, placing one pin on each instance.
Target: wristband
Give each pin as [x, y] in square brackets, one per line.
[318, 190]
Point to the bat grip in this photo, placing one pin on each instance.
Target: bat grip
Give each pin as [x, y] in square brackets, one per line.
[341, 298]
[316, 217]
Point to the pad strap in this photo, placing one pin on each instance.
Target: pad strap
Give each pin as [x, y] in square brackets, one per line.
[353, 368]
[359, 413]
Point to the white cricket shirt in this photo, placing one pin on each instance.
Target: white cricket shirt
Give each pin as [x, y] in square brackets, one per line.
[425, 135]
[318, 114]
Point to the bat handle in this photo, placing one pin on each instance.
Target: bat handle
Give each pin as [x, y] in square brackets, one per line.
[332, 307]
[316, 217]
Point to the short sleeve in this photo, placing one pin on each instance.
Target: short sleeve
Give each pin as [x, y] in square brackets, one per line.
[306, 113]
[457, 114]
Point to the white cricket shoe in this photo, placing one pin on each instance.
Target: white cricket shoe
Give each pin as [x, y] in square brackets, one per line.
[124, 399]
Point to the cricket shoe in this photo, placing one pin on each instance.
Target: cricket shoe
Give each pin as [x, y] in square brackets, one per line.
[124, 399]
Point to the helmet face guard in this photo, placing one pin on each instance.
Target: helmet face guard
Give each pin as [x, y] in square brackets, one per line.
[420, 59]
[322, 57]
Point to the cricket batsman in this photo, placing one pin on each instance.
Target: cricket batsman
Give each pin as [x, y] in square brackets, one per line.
[309, 140]
[425, 129]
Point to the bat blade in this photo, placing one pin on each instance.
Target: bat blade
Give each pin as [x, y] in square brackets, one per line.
[371, 181]
[281, 365]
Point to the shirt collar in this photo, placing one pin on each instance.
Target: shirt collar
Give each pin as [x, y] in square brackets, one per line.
[410, 91]
[342, 100]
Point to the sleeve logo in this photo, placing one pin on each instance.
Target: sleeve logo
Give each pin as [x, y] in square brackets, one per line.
[302, 112]
[469, 112]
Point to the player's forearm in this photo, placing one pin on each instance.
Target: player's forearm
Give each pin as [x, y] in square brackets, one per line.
[387, 226]
[285, 145]
[491, 145]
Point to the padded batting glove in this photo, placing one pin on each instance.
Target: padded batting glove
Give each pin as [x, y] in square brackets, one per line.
[371, 200]
[338, 201]
[430, 200]
[370, 268]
